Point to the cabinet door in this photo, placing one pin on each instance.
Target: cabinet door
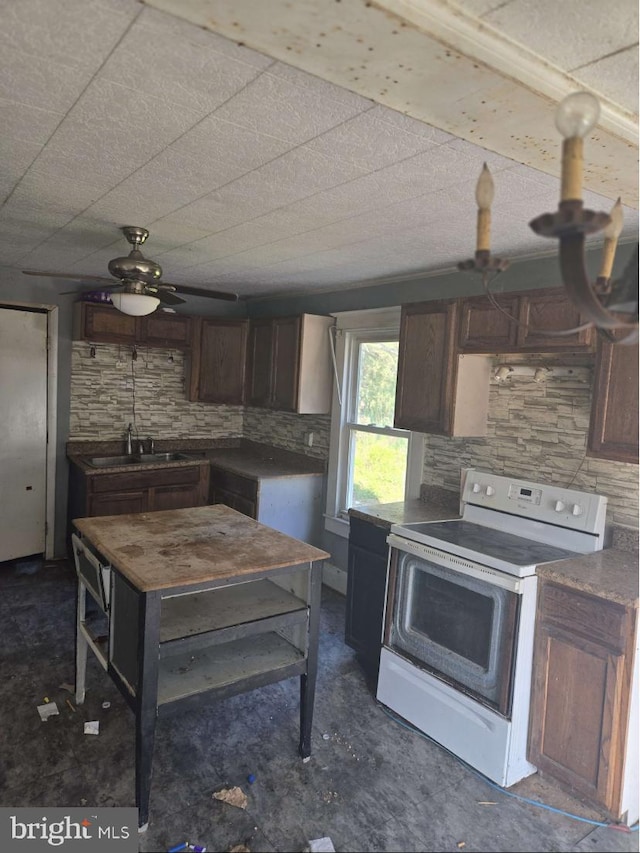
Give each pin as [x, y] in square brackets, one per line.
[613, 431]
[235, 501]
[286, 362]
[162, 329]
[426, 367]
[485, 328]
[217, 367]
[118, 503]
[546, 311]
[580, 691]
[175, 497]
[103, 324]
[260, 363]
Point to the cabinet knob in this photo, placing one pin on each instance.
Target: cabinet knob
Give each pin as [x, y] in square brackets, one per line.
[577, 509]
[489, 491]
[560, 506]
[475, 488]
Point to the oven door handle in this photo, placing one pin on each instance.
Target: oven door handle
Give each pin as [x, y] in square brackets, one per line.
[458, 564]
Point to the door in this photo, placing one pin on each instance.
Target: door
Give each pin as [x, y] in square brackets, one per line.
[23, 432]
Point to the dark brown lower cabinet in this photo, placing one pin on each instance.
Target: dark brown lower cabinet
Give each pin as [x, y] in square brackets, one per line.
[173, 487]
[581, 692]
[366, 584]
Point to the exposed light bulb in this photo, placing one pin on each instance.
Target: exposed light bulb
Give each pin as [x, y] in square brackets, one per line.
[614, 228]
[502, 373]
[611, 234]
[575, 117]
[484, 197]
[577, 114]
[484, 189]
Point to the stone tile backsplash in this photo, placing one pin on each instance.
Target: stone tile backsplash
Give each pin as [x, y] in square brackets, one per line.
[103, 403]
[111, 390]
[537, 432]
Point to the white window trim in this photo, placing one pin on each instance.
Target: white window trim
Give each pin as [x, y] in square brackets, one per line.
[379, 322]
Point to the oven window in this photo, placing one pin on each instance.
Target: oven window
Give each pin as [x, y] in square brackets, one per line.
[453, 617]
[457, 626]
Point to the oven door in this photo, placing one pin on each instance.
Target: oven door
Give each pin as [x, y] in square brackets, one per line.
[455, 619]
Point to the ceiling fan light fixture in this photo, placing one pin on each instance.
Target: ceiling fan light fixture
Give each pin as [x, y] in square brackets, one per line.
[134, 304]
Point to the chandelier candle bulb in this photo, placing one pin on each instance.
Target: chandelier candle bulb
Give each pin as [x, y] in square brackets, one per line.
[611, 234]
[575, 117]
[484, 198]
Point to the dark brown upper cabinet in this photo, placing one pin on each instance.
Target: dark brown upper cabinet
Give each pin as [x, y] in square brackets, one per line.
[613, 430]
[525, 322]
[105, 324]
[438, 390]
[217, 367]
[289, 364]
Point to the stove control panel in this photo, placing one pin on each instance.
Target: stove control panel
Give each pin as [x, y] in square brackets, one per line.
[536, 502]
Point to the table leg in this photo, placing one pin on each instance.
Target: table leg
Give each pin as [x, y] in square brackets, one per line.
[308, 679]
[147, 696]
[81, 646]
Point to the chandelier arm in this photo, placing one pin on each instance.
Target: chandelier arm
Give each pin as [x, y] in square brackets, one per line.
[578, 287]
[550, 333]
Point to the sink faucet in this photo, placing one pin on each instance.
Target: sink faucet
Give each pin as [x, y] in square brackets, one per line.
[129, 448]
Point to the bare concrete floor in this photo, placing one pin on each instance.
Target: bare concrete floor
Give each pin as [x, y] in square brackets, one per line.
[371, 784]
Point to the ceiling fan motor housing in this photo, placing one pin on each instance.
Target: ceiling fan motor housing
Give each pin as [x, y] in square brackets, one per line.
[135, 266]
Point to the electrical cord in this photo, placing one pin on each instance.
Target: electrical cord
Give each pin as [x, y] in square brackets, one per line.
[409, 727]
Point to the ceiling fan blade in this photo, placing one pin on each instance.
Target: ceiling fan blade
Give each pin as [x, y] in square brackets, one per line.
[69, 276]
[199, 291]
[104, 287]
[167, 297]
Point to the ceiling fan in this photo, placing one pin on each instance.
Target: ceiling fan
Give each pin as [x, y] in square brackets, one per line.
[138, 290]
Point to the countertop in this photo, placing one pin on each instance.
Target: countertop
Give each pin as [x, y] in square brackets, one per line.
[179, 547]
[262, 462]
[403, 512]
[249, 459]
[611, 574]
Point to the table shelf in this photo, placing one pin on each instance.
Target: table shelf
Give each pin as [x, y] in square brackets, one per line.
[221, 666]
[226, 609]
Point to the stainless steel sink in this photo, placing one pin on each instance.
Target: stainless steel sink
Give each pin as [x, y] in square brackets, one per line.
[163, 457]
[135, 459]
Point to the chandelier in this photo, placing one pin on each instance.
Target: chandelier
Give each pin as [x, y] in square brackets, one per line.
[611, 306]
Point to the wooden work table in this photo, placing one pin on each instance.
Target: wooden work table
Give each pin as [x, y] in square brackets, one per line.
[194, 605]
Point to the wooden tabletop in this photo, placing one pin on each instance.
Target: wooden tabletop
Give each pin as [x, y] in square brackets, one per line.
[171, 548]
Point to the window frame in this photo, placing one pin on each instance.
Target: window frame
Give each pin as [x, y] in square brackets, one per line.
[353, 328]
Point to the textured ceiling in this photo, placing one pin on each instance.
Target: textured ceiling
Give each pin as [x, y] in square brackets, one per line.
[262, 169]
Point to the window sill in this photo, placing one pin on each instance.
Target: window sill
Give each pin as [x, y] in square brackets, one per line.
[337, 526]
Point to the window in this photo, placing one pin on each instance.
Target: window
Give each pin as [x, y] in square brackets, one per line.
[370, 461]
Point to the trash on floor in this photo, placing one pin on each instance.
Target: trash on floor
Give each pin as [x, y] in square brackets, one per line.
[461, 844]
[70, 704]
[232, 796]
[239, 848]
[106, 706]
[251, 778]
[92, 727]
[321, 845]
[49, 709]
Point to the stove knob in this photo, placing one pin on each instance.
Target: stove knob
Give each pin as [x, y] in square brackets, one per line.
[475, 488]
[489, 491]
[577, 509]
[560, 506]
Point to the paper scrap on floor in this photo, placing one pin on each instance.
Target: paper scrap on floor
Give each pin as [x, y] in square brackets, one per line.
[92, 727]
[321, 845]
[49, 709]
[232, 796]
